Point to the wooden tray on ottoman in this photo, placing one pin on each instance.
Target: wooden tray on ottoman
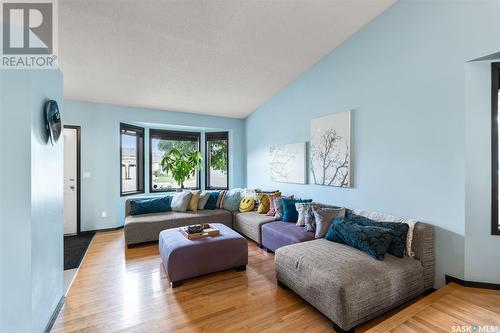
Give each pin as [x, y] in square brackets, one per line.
[208, 231]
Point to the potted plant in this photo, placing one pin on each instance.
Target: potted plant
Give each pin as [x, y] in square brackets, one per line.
[181, 165]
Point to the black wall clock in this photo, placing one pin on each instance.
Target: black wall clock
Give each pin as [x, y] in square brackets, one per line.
[53, 121]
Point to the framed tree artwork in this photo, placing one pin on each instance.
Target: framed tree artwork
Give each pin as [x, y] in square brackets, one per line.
[288, 163]
[331, 150]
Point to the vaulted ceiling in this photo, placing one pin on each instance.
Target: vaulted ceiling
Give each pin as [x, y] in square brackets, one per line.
[210, 57]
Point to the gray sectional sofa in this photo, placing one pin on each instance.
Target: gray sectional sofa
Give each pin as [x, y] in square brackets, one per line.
[345, 284]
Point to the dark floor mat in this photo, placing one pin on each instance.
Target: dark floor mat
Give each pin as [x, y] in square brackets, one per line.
[74, 249]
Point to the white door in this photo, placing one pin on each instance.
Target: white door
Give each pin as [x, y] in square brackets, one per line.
[70, 180]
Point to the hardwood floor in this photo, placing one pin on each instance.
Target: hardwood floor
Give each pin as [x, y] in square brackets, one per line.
[450, 309]
[126, 290]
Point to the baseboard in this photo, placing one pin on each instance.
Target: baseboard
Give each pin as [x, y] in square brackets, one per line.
[53, 318]
[471, 284]
[99, 230]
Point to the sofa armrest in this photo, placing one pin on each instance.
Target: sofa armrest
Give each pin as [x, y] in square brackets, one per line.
[423, 247]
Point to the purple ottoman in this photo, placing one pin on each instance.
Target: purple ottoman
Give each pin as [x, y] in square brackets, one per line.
[278, 234]
[183, 258]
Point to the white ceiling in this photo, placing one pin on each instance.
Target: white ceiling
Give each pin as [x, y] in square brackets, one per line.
[211, 57]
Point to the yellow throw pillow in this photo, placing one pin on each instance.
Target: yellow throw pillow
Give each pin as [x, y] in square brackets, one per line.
[193, 202]
[263, 203]
[247, 204]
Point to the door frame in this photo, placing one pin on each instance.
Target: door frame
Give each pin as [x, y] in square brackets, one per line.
[78, 174]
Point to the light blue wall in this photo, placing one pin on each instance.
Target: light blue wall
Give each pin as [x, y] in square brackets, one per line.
[404, 76]
[481, 248]
[31, 202]
[100, 155]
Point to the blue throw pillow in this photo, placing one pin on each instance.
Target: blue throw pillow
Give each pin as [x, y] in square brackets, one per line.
[212, 201]
[373, 240]
[232, 200]
[141, 206]
[399, 232]
[290, 213]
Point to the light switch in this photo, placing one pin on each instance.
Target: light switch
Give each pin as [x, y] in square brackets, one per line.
[86, 174]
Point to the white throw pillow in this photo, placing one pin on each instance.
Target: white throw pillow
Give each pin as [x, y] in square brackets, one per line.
[180, 201]
[204, 196]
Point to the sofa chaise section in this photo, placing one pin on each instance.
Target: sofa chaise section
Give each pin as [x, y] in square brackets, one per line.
[250, 224]
[350, 287]
[146, 228]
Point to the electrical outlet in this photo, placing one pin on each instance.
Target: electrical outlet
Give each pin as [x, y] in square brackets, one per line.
[104, 214]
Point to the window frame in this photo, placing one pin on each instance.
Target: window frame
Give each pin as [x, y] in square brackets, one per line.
[140, 158]
[211, 136]
[171, 135]
[495, 87]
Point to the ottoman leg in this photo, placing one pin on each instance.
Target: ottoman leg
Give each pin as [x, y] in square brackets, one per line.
[241, 268]
[176, 284]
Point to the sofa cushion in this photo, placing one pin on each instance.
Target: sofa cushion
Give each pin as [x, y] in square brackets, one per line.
[290, 213]
[146, 228]
[204, 196]
[139, 206]
[398, 230]
[323, 217]
[212, 201]
[180, 201]
[232, 200]
[220, 199]
[264, 203]
[345, 284]
[381, 217]
[247, 204]
[373, 240]
[249, 224]
[193, 201]
[272, 208]
[278, 234]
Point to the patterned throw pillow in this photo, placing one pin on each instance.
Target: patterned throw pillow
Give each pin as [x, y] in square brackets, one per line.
[247, 204]
[398, 230]
[193, 202]
[180, 201]
[220, 199]
[204, 196]
[302, 209]
[232, 200]
[310, 222]
[323, 217]
[212, 200]
[264, 203]
[290, 214]
[373, 240]
[278, 207]
[272, 208]
[381, 217]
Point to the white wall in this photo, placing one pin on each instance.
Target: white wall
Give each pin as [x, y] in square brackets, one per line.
[31, 202]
